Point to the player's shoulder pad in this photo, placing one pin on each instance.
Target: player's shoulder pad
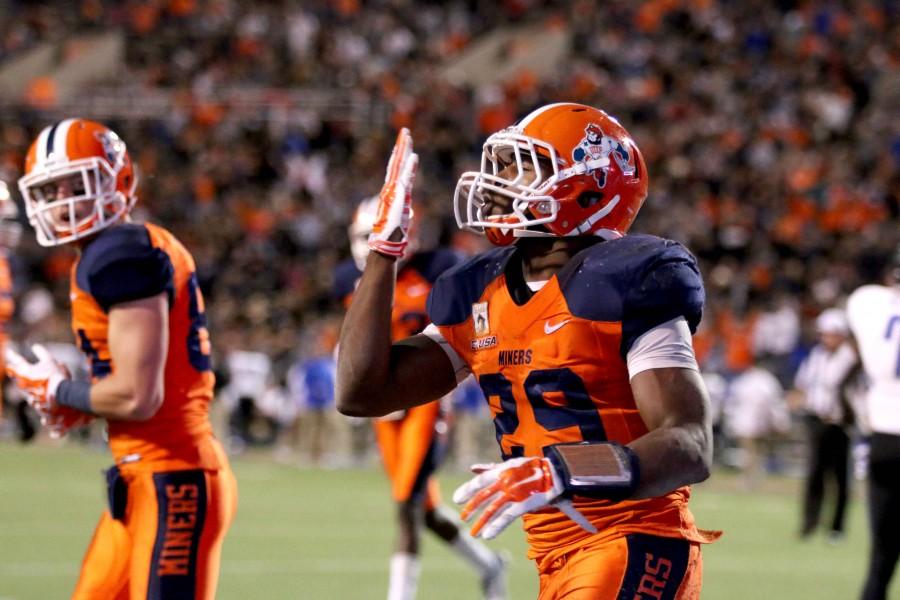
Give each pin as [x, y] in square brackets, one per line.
[431, 264]
[640, 280]
[121, 264]
[454, 292]
[346, 274]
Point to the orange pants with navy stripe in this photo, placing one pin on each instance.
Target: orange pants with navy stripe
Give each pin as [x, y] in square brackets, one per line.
[167, 539]
[632, 567]
[411, 450]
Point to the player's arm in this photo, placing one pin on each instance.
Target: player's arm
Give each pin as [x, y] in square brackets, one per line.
[677, 450]
[374, 375]
[138, 344]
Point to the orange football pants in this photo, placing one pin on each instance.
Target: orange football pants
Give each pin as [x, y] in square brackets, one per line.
[168, 544]
[633, 567]
[411, 450]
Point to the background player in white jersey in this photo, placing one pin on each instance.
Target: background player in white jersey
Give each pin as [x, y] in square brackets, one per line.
[821, 395]
[874, 314]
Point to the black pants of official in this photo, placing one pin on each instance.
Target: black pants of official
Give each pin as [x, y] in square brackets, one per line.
[829, 452]
[884, 514]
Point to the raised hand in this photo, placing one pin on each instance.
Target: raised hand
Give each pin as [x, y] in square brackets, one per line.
[390, 233]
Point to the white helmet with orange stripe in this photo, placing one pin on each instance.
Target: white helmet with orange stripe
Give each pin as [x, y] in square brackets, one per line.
[78, 180]
[360, 228]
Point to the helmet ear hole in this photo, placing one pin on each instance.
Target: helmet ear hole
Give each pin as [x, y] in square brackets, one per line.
[588, 199]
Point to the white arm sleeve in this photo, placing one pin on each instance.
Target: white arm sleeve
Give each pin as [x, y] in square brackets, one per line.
[666, 345]
[459, 365]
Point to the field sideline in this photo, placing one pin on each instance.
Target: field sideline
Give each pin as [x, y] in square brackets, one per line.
[327, 534]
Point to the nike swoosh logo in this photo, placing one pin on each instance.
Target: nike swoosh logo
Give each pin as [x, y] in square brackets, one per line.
[537, 475]
[548, 328]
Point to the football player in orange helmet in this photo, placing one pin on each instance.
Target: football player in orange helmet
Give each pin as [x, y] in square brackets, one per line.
[580, 337]
[138, 316]
[412, 442]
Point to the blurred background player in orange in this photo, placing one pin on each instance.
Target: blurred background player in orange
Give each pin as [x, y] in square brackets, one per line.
[580, 338]
[10, 232]
[138, 316]
[413, 442]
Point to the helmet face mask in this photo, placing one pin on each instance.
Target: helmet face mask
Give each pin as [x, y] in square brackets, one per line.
[516, 173]
[81, 188]
[586, 176]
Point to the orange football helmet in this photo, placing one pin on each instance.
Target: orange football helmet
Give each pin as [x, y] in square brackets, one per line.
[589, 178]
[10, 228]
[78, 180]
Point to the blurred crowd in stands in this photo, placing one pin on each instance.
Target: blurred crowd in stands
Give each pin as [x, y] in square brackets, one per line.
[770, 130]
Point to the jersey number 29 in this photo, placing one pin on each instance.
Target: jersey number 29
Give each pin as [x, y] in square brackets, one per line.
[579, 410]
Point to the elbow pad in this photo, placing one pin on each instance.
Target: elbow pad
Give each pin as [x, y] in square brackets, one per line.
[602, 470]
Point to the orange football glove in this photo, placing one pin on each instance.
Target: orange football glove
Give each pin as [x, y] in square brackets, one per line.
[390, 233]
[39, 381]
[62, 419]
[508, 490]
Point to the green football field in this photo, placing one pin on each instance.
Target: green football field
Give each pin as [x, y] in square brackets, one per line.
[327, 534]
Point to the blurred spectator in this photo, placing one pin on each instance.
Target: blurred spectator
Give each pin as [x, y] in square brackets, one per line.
[472, 433]
[249, 374]
[757, 417]
[777, 334]
[821, 382]
[717, 387]
[320, 430]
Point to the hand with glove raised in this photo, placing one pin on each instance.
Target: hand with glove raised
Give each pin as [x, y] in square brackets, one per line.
[390, 233]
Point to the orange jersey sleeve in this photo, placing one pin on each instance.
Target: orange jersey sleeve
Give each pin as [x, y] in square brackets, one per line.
[552, 363]
[129, 262]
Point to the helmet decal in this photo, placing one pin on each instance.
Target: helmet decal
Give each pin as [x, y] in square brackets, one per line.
[597, 145]
[113, 147]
